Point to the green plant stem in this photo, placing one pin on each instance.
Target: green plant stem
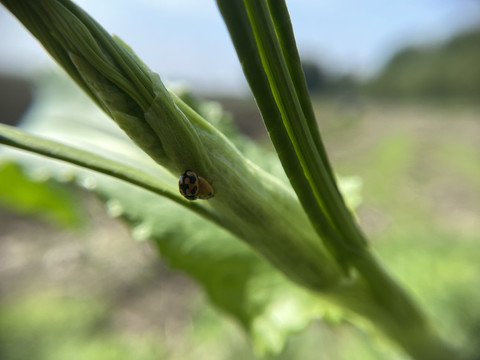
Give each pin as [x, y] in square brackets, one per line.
[263, 37]
[310, 153]
[391, 310]
[237, 21]
[21, 140]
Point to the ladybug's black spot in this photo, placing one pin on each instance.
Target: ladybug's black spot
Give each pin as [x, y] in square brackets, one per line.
[184, 188]
[192, 178]
[188, 185]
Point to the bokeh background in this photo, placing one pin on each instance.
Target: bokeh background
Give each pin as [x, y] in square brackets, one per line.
[396, 88]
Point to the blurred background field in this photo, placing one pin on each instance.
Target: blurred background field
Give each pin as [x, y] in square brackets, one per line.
[77, 286]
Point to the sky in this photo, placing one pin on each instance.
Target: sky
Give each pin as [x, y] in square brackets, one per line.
[186, 40]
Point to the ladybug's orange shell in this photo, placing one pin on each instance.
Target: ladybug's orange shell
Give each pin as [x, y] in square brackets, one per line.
[205, 189]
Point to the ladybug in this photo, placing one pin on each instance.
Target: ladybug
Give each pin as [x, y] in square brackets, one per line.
[194, 187]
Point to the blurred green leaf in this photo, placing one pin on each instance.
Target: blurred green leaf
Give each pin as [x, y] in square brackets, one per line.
[39, 197]
[267, 305]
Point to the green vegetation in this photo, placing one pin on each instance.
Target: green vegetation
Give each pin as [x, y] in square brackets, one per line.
[444, 71]
[447, 71]
[272, 257]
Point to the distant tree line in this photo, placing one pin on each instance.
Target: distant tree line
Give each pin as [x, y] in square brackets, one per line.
[321, 81]
[447, 71]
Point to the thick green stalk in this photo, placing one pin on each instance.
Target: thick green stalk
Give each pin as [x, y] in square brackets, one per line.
[264, 41]
[311, 157]
[400, 320]
[237, 21]
[410, 328]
